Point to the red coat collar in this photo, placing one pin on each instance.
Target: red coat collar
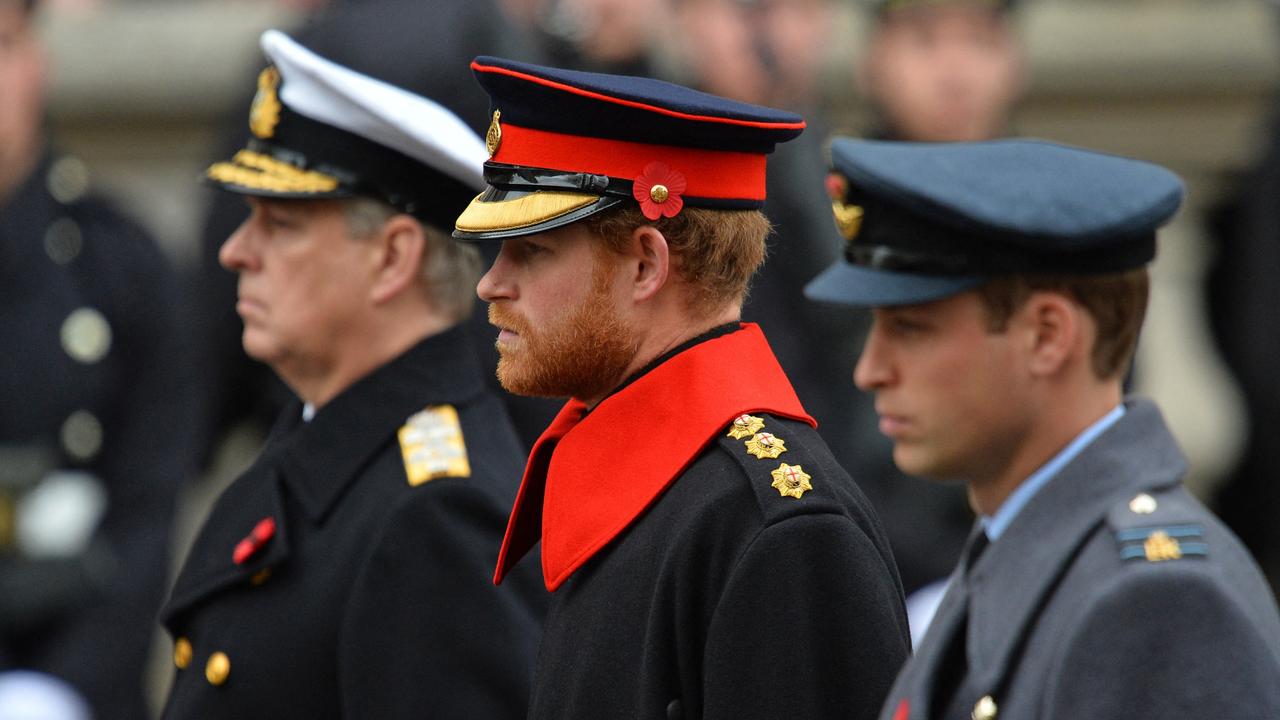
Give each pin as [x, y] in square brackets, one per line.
[588, 478]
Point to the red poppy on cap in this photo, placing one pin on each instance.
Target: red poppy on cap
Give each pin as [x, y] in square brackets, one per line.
[658, 190]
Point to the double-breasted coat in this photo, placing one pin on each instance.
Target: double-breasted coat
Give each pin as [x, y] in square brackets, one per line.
[345, 574]
[1113, 594]
[708, 556]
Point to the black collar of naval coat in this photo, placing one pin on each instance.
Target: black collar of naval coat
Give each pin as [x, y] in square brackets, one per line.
[318, 461]
[1013, 578]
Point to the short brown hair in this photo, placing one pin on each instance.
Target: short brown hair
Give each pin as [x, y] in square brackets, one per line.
[715, 251]
[1117, 302]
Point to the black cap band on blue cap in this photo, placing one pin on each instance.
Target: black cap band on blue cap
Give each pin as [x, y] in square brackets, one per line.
[893, 239]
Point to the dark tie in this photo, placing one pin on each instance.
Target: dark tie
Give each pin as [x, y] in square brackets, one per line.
[950, 697]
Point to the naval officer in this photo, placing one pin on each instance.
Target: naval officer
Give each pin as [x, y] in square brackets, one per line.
[345, 574]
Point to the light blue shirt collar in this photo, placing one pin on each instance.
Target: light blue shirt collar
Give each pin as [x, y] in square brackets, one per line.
[995, 525]
[308, 412]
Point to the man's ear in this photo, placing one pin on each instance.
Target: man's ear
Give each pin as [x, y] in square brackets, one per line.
[1056, 331]
[648, 263]
[398, 249]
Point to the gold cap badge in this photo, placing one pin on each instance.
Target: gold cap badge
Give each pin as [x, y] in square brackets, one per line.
[264, 113]
[848, 219]
[493, 138]
[791, 481]
[745, 426]
[766, 446]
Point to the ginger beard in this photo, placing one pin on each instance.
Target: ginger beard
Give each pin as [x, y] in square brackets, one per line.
[582, 354]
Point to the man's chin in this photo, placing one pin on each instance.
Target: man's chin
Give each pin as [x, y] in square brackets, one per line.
[258, 347]
[517, 378]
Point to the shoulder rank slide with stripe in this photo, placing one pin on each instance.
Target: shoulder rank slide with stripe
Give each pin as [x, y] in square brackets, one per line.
[432, 445]
[1160, 543]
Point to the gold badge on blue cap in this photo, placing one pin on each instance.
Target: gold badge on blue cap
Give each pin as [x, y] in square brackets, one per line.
[848, 216]
[766, 446]
[745, 426]
[432, 445]
[791, 481]
[264, 113]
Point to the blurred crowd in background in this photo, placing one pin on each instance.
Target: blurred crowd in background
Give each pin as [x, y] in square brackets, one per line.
[125, 397]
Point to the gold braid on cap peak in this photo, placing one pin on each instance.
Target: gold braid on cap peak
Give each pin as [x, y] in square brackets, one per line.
[524, 211]
[262, 172]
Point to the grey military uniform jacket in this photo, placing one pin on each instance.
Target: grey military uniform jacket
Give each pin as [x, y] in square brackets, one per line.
[1113, 594]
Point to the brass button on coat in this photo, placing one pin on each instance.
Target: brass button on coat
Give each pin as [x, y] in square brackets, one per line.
[218, 668]
[182, 653]
[985, 709]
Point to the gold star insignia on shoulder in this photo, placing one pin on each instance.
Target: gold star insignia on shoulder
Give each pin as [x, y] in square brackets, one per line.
[432, 445]
[745, 426]
[766, 446]
[791, 481]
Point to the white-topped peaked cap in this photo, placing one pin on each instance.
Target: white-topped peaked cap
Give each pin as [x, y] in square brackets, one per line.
[319, 129]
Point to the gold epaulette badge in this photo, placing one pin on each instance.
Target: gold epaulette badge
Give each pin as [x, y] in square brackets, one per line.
[432, 445]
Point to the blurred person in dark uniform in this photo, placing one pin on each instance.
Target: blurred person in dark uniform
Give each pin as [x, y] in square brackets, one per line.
[423, 47]
[1009, 283]
[932, 71]
[94, 414]
[613, 36]
[770, 51]
[1244, 312]
[346, 572]
[708, 557]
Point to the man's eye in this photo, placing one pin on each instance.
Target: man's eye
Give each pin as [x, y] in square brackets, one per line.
[277, 221]
[907, 325]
